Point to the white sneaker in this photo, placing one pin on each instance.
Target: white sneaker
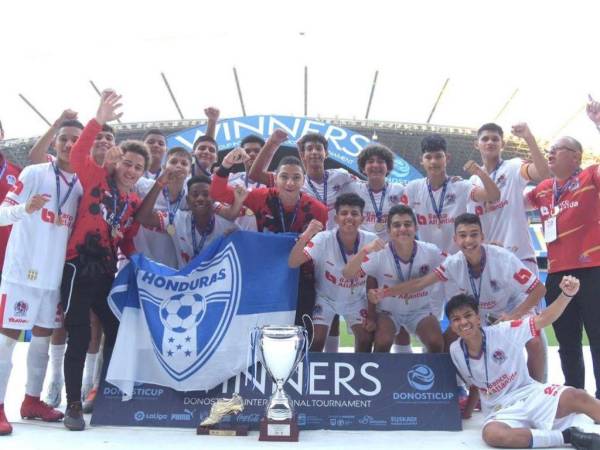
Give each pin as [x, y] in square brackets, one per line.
[53, 396]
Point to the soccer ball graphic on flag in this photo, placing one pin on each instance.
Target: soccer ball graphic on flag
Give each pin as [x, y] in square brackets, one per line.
[182, 312]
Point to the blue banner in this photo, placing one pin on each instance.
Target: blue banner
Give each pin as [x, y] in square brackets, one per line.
[344, 145]
[346, 391]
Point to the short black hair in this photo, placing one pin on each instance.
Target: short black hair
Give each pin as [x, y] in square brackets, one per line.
[376, 150]
[458, 301]
[467, 219]
[71, 123]
[179, 151]
[311, 137]
[205, 138]
[252, 139]
[152, 131]
[291, 161]
[491, 127]
[349, 199]
[197, 179]
[433, 143]
[399, 210]
[108, 129]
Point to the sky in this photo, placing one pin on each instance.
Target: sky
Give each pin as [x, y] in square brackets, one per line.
[547, 50]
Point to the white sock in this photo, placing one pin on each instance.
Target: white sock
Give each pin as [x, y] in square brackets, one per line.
[396, 348]
[37, 363]
[7, 346]
[57, 356]
[332, 344]
[98, 369]
[546, 438]
[89, 369]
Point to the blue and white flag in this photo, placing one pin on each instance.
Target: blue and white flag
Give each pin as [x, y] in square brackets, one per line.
[189, 329]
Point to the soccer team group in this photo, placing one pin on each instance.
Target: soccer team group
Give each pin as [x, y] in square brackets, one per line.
[391, 259]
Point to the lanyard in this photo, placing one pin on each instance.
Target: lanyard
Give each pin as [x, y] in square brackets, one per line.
[58, 174]
[495, 171]
[436, 209]
[282, 215]
[484, 356]
[149, 174]
[247, 181]
[397, 262]
[477, 291]
[202, 169]
[116, 217]
[378, 211]
[343, 252]
[4, 166]
[203, 234]
[172, 211]
[314, 189]
[557, 192]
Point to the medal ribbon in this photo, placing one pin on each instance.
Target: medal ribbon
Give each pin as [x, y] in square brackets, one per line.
[397, 260]
[484, 356]
[282, 215]
[557, 192]
[378, 211]
[116, 217]
[436, 209]
[472, 276]
[58, 174]
[170, 210]
[313, 188]
[203, 234]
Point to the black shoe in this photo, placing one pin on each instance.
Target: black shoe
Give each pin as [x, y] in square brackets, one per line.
[74, 417]
[584, 441]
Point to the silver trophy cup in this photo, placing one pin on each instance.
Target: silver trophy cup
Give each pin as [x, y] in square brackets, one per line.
[282, 348]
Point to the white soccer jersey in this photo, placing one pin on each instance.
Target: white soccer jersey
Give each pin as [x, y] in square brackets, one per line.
[504, 278]
[393, 196]
[156, 245]
[35, 254]
[431, 229]
[506, 365]
[337, 182]
[241, 179]
[183, 240]
[330, 284]
[382, 266]
[505, 221]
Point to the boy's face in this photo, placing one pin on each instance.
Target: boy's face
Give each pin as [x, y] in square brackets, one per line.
[464, 321]
[206, 154]
[290, 179]
[402, 228]
[313, 154]
[435, 162]
[129, 169]
[66, 137]
[251, 149]
[157, 145]
[199, 199]
[104, 141]
[179, 164]
[468, 237]
[348, 217]
[489, 144]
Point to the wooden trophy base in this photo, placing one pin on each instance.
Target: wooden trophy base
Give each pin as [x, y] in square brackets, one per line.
[278, 430]
[223, 430]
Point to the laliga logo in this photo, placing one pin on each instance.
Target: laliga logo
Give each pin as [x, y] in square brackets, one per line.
[421, 377]
[182, 312]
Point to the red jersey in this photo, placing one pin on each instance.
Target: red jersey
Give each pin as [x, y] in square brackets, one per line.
[97, 210]
[265, 204]
[578, 220]
[8, 177]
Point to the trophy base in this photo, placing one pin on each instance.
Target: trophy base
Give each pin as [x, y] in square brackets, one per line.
[223, 430]
[278, 430]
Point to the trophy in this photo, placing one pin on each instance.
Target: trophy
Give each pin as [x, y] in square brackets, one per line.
[221, 408]
[282, 348]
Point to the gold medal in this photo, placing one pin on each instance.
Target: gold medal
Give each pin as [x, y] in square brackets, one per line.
[58, 219]
[379, 227]
[171, 229]
[115, 233]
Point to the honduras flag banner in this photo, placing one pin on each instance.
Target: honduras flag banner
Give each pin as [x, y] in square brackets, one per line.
[190, 329]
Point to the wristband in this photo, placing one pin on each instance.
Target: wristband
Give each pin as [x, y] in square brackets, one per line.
[223, 171]
[568, 296]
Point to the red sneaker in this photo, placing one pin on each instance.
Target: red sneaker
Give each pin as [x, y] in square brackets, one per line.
[5, 427]
[34, 408]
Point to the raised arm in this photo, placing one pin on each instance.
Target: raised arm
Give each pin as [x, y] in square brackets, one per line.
[212, 114]
[490, 191]
[232, 212]
[352, 267]
[569, 287]
[532, 300]
[258, 171]
[297, 255]
[145, 214]
[39, 152]
[539, 170]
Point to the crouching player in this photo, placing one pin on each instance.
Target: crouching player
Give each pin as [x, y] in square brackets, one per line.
[402, 258]
[521, 412]
[330, 251]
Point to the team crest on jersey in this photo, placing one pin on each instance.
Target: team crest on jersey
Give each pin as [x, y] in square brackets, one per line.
[189, 315]
[450, 199]
[395, 199]
[573, 187]
[11, 179]
[499, 356]
[494, 285]
[21, 308]
[318, 309]
[501, 181]
[424, 270]
[336, 188]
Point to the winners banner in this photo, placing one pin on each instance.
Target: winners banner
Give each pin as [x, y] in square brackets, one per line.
[344, 391]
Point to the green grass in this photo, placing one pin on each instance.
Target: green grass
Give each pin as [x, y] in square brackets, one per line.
[347, 340]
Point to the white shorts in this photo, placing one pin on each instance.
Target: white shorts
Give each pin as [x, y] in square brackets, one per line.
[23, 307]
[533, 406]
[409, 320]
[354, 313]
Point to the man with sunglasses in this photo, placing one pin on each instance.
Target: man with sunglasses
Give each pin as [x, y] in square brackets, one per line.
[568, 206]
